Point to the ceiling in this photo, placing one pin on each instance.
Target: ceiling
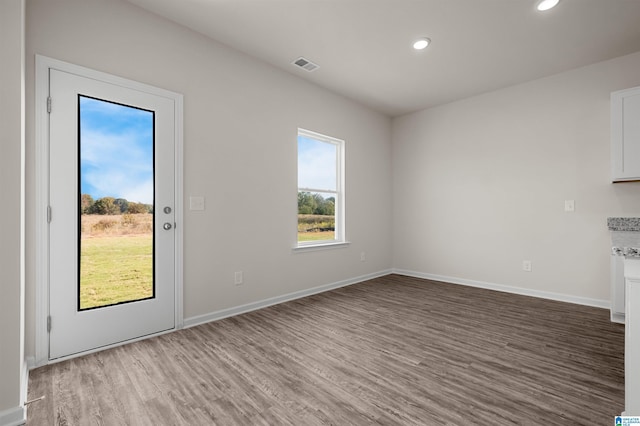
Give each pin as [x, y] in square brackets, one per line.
[364, 47]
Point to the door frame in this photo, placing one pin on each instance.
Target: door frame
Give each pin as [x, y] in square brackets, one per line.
[43, 64]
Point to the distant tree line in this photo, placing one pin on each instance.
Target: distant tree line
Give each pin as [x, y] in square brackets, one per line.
[309, 203]
[111, 206]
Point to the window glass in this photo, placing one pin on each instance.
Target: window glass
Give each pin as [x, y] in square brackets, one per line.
[320, 189]
[115, 202]
[316, 164]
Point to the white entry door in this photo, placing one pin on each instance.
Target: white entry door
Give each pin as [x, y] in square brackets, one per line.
[112, 245]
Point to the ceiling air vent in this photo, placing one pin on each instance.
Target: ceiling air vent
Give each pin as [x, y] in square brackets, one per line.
[305, 64]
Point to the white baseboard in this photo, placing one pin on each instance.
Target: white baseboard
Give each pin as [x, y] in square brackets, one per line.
[225, 313]
[18, 415]
[619, 318]
[13, 417]
[24, 380]
[598, 303]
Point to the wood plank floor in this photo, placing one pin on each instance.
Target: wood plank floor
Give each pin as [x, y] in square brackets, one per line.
[393, 351]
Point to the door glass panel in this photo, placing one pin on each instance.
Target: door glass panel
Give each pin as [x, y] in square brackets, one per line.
[116, 203]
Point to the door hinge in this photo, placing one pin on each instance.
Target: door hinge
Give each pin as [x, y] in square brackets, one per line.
[49, 324]
[49, 104]
[48, 214]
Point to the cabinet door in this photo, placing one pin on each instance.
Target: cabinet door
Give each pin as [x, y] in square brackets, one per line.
[625, 135]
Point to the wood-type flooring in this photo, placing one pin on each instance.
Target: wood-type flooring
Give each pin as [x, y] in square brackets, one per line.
[392, 351]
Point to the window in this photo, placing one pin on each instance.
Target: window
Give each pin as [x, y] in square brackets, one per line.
[320, 189]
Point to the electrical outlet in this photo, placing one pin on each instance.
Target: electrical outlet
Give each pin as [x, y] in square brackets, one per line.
[569, 205]
[363, 257]
[526, 265]
[238, 279]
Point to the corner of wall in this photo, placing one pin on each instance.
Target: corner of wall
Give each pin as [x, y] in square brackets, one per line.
[13, 416]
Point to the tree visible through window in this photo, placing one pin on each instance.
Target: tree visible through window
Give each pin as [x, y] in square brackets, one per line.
[320, 189]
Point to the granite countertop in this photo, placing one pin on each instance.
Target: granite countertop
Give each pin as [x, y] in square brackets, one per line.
[624, 224]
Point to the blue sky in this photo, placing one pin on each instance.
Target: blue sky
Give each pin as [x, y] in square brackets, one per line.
[316, 164]
[116, 151]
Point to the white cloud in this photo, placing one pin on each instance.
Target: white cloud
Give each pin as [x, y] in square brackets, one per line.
[142, 193]
[117, 166]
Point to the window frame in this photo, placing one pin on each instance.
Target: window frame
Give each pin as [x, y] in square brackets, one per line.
[339, 238]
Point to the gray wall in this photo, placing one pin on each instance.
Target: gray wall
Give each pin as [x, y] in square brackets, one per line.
[11, 142]
[480, 184]
[240, 126]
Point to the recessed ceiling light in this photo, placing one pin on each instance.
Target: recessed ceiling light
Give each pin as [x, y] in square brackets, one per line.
[421, 43]
[547, 4]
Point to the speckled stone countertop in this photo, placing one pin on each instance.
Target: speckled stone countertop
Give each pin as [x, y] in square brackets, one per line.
[624, 224]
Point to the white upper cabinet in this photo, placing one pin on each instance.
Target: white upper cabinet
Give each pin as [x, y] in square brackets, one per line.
[625, 135]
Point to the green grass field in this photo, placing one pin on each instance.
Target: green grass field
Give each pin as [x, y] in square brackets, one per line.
[308, 225]
[115, 269]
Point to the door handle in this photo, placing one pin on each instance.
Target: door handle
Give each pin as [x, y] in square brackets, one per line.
[166, 226]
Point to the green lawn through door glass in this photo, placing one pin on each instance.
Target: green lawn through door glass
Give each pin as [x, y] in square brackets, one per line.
[115, 203]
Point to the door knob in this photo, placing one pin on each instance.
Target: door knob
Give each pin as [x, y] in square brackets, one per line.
[166, 226]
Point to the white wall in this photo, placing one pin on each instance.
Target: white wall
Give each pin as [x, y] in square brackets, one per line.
[479, 185]
[11, 142]
[241, 119]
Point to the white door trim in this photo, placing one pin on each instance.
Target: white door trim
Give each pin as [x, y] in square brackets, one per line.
[43, 64]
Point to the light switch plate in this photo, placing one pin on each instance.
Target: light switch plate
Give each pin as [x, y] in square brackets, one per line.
[196, 203]
[569, 205]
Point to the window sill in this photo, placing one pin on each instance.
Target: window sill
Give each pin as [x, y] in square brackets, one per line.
[320, 246]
